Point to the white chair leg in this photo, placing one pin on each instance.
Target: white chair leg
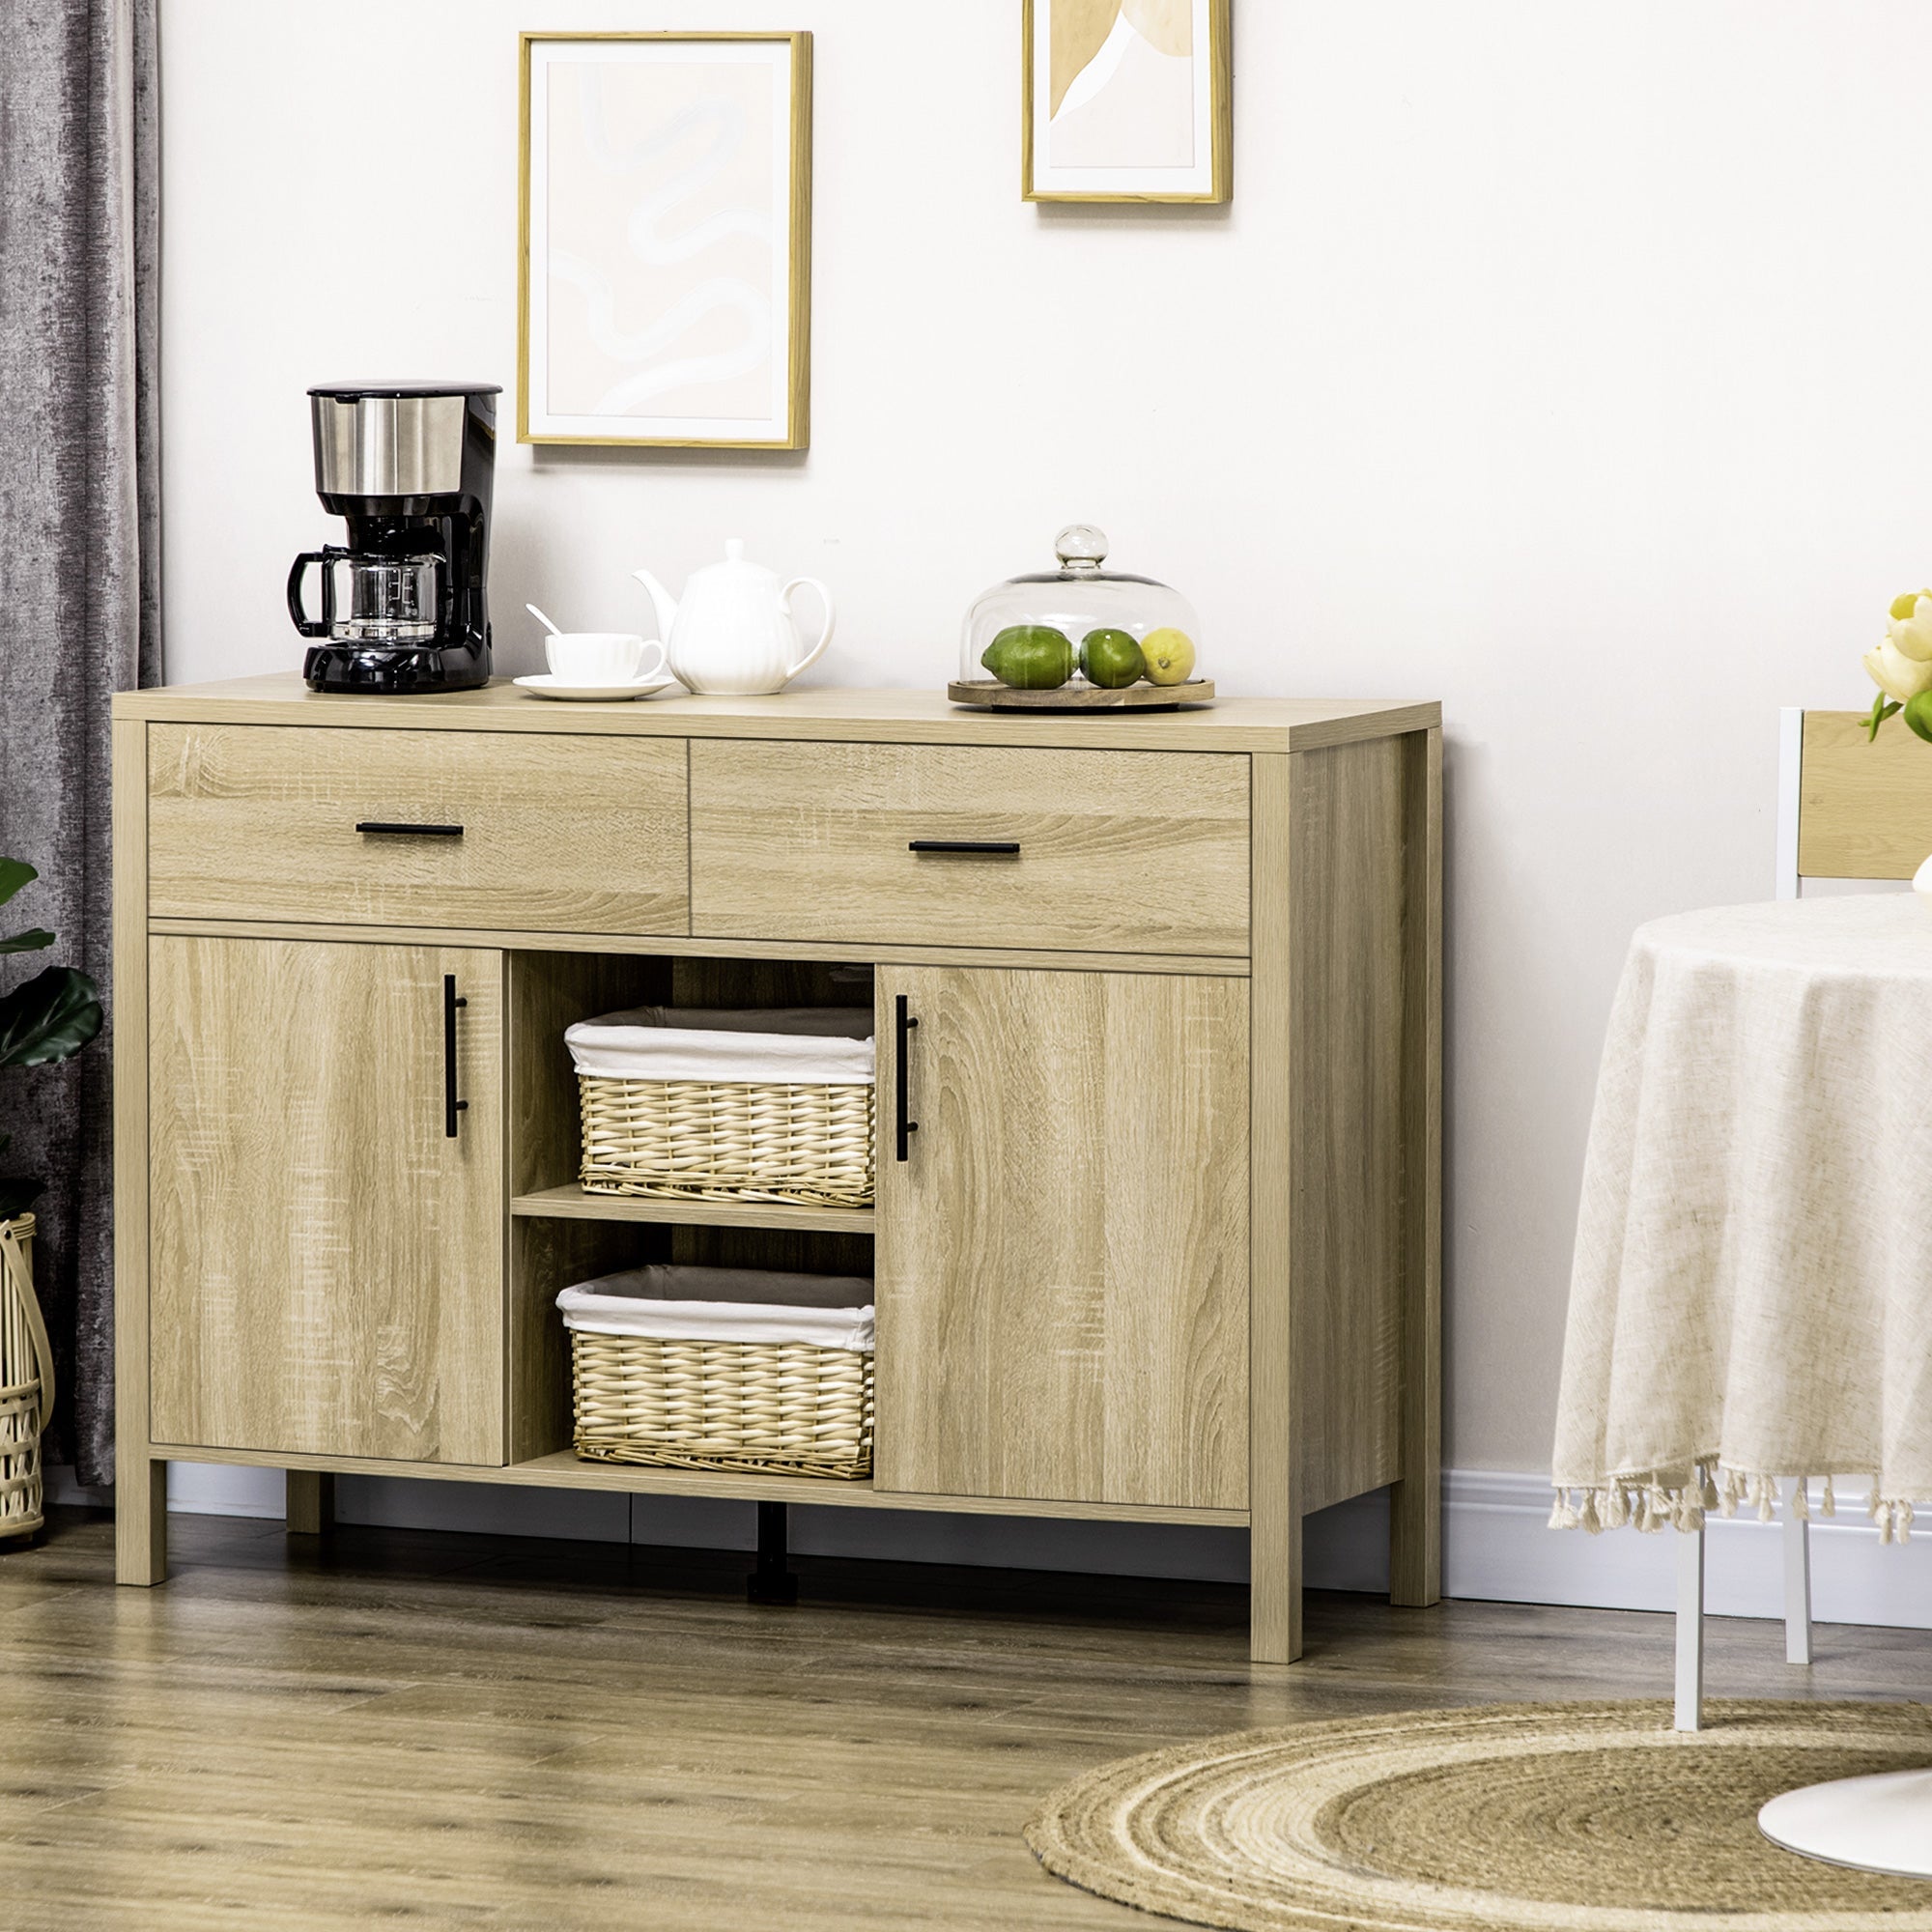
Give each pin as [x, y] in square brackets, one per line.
[1796, 1583]
[1690, 1630]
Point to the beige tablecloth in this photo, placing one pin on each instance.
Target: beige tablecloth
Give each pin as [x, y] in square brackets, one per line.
[1752, 1296]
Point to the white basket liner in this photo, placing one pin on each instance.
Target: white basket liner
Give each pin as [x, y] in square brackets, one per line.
[700, 1304]
[796, 1046]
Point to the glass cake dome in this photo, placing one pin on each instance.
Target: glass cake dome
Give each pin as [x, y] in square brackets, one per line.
[1079, 625]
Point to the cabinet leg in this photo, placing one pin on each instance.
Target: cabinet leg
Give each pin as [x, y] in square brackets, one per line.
[1415, 1541]
[1415, 1502]
[1275, 1586]
[771, 1581]
[310, 1509]
[140, 1520]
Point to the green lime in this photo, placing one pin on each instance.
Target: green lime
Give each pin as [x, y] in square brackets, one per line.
[1111, 659]
[1031, 657]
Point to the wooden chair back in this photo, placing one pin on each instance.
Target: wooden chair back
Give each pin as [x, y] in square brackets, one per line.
[1849, 808]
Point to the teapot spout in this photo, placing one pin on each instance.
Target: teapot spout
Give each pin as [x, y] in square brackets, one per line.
[661, 602]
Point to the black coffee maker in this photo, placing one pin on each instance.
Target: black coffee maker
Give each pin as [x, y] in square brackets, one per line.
[408, 465]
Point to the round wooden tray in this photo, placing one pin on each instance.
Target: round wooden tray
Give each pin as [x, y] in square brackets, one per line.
[987, 694]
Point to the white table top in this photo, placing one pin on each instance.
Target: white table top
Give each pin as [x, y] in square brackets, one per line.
[1872, 932]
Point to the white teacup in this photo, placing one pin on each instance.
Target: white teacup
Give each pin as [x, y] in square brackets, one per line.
[600, 657]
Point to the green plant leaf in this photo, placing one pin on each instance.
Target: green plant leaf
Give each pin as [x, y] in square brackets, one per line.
[18, 1196]
[1918, 714]
[27, 942]
[48, 1018]
[14, 874]
[1882, 708]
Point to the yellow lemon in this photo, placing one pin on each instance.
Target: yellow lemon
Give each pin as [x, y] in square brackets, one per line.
[1169, 655]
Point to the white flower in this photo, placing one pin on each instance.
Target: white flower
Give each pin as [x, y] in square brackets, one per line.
[1902, 666]
[1912, 635]
[1898, 675]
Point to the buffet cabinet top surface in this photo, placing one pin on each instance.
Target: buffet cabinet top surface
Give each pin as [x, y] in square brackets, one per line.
[909, 717]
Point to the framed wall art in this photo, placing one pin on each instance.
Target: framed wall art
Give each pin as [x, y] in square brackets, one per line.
[665, 235]
[1126, 101]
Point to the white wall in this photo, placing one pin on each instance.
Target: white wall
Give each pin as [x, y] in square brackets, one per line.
[1569, 363]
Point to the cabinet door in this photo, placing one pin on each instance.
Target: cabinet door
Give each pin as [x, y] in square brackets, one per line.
[1063, 1257]
[325, 1260]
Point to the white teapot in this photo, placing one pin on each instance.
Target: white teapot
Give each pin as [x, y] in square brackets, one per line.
[732, 632]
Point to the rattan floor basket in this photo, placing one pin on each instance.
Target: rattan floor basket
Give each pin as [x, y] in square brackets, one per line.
[26, 1382]
[782, 1407]
[715, 1140]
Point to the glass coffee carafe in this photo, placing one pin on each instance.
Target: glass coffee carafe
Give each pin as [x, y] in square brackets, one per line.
[371, 599]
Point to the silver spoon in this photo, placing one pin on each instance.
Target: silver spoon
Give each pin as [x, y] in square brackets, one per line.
[554, 630]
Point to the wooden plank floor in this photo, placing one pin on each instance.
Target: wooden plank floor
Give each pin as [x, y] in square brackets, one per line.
[467, 1731]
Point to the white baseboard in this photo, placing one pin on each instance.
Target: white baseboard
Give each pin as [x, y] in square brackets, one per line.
[1497, 1544]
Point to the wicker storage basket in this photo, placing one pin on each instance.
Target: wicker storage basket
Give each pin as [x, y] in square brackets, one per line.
[702, 1402]
[26, 1381]
[727, 1141]
[736, 1139]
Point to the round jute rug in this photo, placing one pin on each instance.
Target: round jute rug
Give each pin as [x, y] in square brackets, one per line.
[1507, 1818]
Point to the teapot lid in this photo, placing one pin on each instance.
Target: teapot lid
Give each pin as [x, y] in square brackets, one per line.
[732, 562]
[735, 568]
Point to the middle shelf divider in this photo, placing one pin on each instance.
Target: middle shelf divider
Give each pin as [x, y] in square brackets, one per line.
[572, 1203]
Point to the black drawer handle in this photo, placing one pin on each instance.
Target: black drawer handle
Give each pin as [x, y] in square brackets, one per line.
[451, 1105]
[410, 830]
[901, 1080]
[985, 849]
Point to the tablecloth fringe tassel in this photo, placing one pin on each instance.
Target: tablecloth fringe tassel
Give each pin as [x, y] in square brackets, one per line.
[1893, 1518]
[1650, 1505]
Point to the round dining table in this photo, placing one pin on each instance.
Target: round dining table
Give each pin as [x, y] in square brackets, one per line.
[1751, 1296]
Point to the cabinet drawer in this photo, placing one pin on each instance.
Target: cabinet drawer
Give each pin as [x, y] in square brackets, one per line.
[1117, 851]
[559, 833]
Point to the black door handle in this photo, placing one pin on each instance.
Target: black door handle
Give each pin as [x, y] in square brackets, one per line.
[984, 848]
[901, 1080]
[451, 1105]
[383, 825]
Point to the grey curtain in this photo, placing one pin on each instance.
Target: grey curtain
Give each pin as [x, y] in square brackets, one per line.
[80, 591]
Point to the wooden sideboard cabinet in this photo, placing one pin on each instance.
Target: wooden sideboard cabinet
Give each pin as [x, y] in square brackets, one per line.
[1164, 1247]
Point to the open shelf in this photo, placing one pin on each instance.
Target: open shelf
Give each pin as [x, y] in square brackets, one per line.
[577, 1204]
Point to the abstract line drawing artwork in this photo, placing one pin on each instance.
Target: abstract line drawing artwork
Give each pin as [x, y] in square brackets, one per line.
[1126, 101]
[666, 222]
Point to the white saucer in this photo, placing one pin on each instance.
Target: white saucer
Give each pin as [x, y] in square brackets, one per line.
[545, 685]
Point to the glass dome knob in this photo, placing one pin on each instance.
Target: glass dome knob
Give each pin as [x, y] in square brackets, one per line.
[1080, 547]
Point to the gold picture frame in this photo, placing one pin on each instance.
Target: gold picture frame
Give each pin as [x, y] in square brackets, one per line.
[777, 64]
[1073, 38]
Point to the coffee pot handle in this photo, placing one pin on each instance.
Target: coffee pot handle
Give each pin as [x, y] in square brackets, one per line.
[299, 616]
[824, 636]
